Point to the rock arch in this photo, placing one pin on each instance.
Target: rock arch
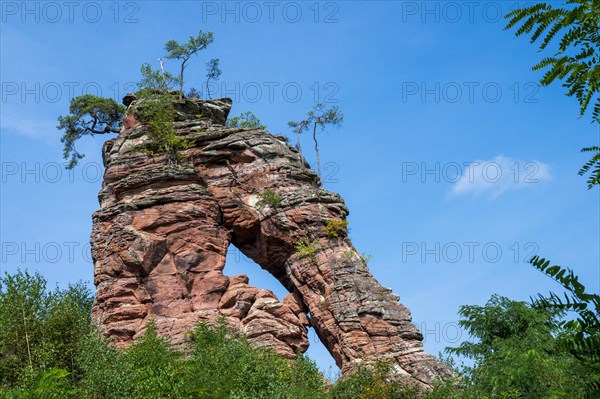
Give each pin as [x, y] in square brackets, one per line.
[160, 239]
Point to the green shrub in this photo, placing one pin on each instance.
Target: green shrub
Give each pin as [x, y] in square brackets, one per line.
[305, 247]
[50, 349]
[516, 353]
[246, 120]
[156, 81]
[39, 329]
[157, 109]
[224, 365]
[365, 258]
[335, 228]
[50, 384]
[270, 198]
[164, 140]
[104, 370]
[348, 254]
[372, 382]
[351, 252]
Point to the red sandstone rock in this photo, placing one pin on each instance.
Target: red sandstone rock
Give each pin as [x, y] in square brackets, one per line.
[160, 239]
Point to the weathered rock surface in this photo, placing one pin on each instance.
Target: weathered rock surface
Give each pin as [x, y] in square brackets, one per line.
[159, 243]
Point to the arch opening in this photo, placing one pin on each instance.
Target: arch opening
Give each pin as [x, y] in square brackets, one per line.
[238, 263]
[318, 353]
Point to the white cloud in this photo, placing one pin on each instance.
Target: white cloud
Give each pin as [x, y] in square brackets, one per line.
[26, 126]
[498, 175]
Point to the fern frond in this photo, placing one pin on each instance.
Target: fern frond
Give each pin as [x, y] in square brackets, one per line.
[576, 59]
[593, 166]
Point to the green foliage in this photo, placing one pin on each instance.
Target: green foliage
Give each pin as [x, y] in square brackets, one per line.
[49, 349]
[335, 228]
[498, 320]
[299, 128]
[372, 382]
[349, 254]
[88, 115]
[164, 141]
[158, 110]
[184, 51]
[365, 258]
[581, 333]
[576, 61]
[221, 365]
[39, 330]
[104, 372]
[23, 301]
[577, 58]
[321, 117]
[66, 320]
[192, 93]
[150, 102]
[226, 366]
[593, 166]
[516, 353]
[50, 384]
[305, 247]
[91, 115]
[213, 72]
[363, 384]
[156, 368]
[270, 198]
[246, 120]
[156, 81]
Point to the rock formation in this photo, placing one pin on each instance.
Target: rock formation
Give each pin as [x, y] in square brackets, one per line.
[160, 239]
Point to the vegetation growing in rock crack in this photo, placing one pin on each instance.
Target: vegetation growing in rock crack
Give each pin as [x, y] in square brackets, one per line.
[163, 139]
[349, 254]
[246, 120]
[307, 248]
[335, 228]
[155, 107]
[365, 258]
[268, 197]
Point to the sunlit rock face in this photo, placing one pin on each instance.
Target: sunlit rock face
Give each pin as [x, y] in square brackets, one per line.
[160, 238]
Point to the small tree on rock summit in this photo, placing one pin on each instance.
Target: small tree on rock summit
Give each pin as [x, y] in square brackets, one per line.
[185, 51]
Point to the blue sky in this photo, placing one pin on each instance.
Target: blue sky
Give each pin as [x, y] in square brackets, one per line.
[455, 165]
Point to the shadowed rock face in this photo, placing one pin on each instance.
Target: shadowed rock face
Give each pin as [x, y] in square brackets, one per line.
[160, 239]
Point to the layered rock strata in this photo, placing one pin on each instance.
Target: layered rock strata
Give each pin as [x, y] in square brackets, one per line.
[160, 239]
